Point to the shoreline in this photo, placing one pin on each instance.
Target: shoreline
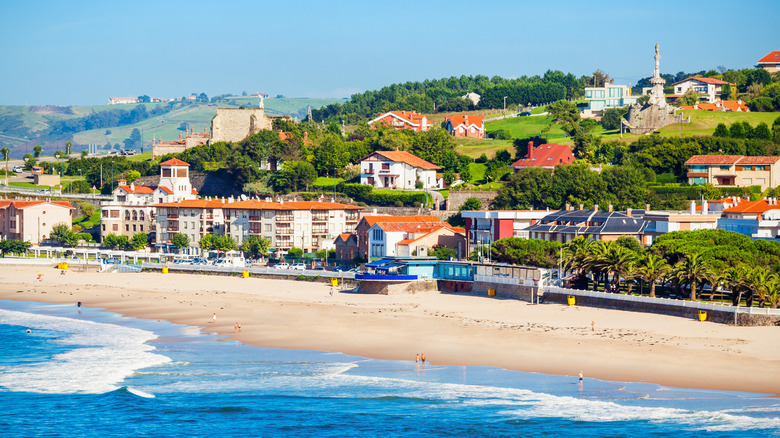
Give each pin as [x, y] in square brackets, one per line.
[451, 329]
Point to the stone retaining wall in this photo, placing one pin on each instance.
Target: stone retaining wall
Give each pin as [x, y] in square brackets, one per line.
[458, 198]
[397, 288]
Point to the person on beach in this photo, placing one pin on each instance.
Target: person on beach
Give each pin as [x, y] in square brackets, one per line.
[331, 291]
[417, 360]
[580, 376]
[239, 327]
[235, 327]
[422, 358]
[40, 278]
[79, 306]
[214, 318]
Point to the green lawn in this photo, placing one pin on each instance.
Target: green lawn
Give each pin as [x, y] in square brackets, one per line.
[327, 181]
[477, 172]
[88, 222]
[27, 185]
[473, 148]
[141, 157]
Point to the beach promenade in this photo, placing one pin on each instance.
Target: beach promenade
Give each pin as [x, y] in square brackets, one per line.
[450, 329]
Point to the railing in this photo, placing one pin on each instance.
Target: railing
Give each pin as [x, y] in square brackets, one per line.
[173, 216]
[254, 218]
[284, 218]
[254, 231]
[284, 231]
[501, 279]
[318, 218]
[664, 301]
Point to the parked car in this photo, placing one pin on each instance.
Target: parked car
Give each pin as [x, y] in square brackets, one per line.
[199, 261]
[524, 114]
[181, 262]
[18, 169]
[282, 266]
[298, 267]
[342, 268]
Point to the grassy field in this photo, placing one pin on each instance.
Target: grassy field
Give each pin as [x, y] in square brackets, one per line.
[88, 222]
[704, 123]
[326, 181]
[474, 148]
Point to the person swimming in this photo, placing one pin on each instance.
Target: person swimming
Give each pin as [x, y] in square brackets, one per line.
[29, 331]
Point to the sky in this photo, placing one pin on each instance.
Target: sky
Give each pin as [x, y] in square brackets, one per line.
[83, 52]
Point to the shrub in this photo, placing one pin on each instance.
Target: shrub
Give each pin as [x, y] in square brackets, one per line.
[398, 204]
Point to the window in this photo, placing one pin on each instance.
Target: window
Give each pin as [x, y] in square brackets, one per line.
[166, 172]
[115, 227]
[141, 215]
[142, 227]
[127, 215]
[134, 229]
[104, 227]
[135, 215]
[267, 227]
[725, 167]
[104, 213]
[127, 227]
[114, 214]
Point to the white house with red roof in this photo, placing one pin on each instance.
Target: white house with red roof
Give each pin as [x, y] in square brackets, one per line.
[546, 156]
[32, 221]
[734, 170]
[758, 219]
[770, 62]
[710, 88]
[464, 125]
[403, 120]
[413, 239]
[398, 170]
[131, 211]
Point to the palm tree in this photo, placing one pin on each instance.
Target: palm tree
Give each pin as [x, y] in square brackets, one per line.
[631, 274]
[5, 151]
[773, 293]
[736, 279]
[595, 261]
[655, 267]
[693, 270]
[575, 252]
[616, 262]
[758, 279]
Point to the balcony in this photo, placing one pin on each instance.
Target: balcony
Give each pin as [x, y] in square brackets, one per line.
[285, 218]
[254, 231]
[254, 218]
[319, 231]
[173, 215]
[173, 227]
[285, 231]
[319, 218]
[209, 215]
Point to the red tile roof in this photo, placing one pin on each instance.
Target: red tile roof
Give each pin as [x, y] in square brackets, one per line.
[712, 81]
[467, 120]
[759, 160]
[707, 106]
[253, 204]
[24, 204]
[546, 155]
[174, 162]
[713, 159]
[771, 58]
[731, 159]
[166, 190]
[137, 189]
[405, 157]
[411, 117]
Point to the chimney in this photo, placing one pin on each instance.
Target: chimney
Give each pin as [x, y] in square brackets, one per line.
[567, 206]
[705, 207]
[628, 212]
[530, 150]
[595, 207]
[647, 207]
[693, 207]
[609, 208]
[581, 206]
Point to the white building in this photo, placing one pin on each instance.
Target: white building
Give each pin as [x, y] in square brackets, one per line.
[608, 96]
[398, 170]
[412, 239]
[710, 89]
[132, 209]
[310, 226]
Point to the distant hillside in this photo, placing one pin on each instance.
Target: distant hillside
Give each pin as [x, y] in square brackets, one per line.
[21, 127]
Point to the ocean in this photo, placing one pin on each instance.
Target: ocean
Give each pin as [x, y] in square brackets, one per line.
[98, 374]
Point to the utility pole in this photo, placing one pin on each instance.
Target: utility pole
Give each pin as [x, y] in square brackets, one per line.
[505, 106]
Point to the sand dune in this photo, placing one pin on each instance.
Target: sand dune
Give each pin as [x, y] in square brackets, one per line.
[450, 329]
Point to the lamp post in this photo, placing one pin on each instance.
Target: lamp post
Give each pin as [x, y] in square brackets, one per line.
[505, 106]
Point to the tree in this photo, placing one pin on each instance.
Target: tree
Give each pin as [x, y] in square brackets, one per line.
[736, 130]
[68, 147]
[37, 149]
[295, 252]
[206, 242]
[690, 97]
[721, 131]
[138, 241]
[132, 175]
[599, 78]
[115, 242]
[471, 204]
[144, 99]
[611, 117]
[14, 246]
[202, 97]
[442, 252]
[255, 246]
[6, 152]
[87, 209]
[653, 268]
[761, 132]
[84, 153]
[693, 270]
[180, 241]
[64, 234]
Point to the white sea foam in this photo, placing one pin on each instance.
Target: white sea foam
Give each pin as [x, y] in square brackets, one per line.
[101, 357]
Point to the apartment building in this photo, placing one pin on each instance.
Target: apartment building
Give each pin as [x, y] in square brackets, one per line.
[32, 221]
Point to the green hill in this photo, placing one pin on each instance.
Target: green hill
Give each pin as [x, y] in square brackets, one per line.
[23, 126]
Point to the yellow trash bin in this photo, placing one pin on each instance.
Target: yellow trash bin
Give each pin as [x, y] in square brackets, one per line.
[491, 291]
[334, 282]
[570, 299]
[64, 266]
[246, 274]
[165, 269]
[702, 315]
[59, 265]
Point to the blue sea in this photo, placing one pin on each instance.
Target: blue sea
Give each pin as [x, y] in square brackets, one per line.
[99, 374]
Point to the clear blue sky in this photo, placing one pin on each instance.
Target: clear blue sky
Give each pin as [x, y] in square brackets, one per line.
[82, 52]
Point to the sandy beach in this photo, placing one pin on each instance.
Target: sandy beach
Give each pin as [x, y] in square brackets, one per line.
[451, 329]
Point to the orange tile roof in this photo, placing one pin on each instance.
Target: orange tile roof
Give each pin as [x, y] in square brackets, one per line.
[253, 204]
[712, 81]
[410, 227]
[371, 220]
[345, 236]
[24, 204]
[174, 162]
[467, 120]
[166, 190]
[193, 203]
[137, 189]
[759, 160]
[411, 117]
[713, 159]
[771, 58]
[406, 157]
[734, 105]
[707, 106]
[759, 206]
